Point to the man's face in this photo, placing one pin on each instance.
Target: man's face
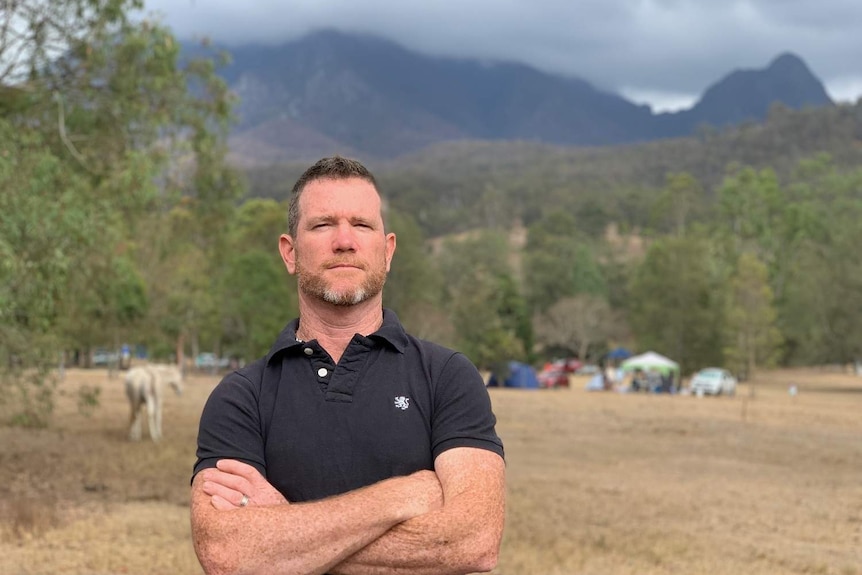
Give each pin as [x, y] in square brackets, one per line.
[340, 254]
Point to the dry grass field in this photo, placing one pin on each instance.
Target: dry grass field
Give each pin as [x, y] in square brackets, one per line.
[599, 483]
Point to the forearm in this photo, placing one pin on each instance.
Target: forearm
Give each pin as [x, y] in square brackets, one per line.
[461, 537]
[424, 546]
[295, 538]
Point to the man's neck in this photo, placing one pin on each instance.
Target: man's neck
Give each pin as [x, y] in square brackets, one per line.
[334, 326]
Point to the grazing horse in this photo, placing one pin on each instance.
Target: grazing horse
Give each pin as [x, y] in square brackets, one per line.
[145, 385]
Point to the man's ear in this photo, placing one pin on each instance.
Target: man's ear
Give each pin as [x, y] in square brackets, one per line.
[288, 253]
[390, 249]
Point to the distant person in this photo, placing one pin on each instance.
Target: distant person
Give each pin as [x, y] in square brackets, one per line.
[351, 447]
[610, 377]
[666, 385]
[638, 380]
[653, 378]
[125, 357]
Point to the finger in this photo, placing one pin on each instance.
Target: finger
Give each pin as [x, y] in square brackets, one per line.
[228, 480]
[216, 489]
[222, 504]
[235, 467]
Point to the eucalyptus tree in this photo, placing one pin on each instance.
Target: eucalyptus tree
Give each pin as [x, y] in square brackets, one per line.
[256, 295]
[106, 129]
[676, 301]
[414, 286]
[751, 336]
[40, 233]
[487, 309]
[821, 303]
[559, 262]
[681, 199]
[751, 208]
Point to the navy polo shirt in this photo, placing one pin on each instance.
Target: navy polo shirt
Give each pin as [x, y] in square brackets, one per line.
[315, 428]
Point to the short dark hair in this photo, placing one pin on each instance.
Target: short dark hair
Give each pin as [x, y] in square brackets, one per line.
[334, 168]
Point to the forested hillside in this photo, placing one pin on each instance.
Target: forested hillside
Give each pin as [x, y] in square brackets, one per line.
[459, 186]
[713, 250]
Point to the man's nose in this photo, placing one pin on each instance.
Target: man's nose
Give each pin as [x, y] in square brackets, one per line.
[345, 239]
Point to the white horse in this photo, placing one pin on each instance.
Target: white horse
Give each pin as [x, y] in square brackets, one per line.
[145, 386]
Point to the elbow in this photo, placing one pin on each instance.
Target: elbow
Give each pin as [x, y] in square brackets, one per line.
[216, 559]
[485, 563]
[486, 560]
[483, 555]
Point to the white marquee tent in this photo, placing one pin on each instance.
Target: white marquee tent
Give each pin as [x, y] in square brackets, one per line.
[650, 360]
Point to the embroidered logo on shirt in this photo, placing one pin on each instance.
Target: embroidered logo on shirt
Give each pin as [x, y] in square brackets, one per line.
[402, 402]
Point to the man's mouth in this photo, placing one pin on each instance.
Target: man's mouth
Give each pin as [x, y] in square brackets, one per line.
[344, 265]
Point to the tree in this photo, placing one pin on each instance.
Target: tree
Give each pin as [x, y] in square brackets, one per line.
[577, 323]
[676, 302]
[752, 337]
[256, 301]
[414, 286]
[255, 295]
[559, 263]
[106, 131]
[678, 201]
[821, 303]
[751, 206]
[39, 231]
[486, 307]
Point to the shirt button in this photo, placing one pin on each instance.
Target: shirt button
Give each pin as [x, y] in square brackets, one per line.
[322, 372]
[308, 351]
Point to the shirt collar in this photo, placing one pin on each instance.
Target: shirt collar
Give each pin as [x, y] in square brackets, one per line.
[391, 332]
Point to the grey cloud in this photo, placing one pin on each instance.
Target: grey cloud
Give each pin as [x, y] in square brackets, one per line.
[674, 46]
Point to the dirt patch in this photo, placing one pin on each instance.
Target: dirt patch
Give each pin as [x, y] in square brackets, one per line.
[598, 482]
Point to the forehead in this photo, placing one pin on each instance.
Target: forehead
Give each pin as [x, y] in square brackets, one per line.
[342, 196]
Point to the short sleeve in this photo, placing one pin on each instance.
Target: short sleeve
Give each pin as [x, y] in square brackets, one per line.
[463, 416]
[230, 425]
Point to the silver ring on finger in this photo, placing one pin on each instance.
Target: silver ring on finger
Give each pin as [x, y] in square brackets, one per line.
[244, 501]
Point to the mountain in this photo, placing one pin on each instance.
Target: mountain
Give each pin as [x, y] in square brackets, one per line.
[331, 92]
[746, 95]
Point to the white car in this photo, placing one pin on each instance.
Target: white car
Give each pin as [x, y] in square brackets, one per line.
[713, 381]
[208, 360]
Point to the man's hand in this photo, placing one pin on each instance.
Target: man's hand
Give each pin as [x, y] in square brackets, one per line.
[230, 480]
[423, 492]
[275, 536]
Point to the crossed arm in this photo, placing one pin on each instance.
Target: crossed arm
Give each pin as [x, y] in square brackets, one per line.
[447, 521]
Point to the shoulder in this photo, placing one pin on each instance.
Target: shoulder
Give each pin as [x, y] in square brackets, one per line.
[440, 356]
[246, 381]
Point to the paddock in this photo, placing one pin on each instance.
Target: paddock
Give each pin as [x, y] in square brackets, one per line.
[598, 482]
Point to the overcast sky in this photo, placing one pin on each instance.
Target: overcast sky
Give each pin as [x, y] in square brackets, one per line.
[661, 52]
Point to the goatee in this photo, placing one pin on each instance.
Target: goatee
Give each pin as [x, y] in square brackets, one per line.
[317, 286]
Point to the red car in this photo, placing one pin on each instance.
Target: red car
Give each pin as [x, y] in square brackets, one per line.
[569, 365]
[553, 377]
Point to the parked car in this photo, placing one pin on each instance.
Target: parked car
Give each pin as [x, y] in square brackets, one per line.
[208, 360]
[587, 369]
[569, 364]
[713, 381]
[553, 377]
[104, 357]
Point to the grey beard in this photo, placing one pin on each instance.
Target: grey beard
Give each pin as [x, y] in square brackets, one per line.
[357, 296]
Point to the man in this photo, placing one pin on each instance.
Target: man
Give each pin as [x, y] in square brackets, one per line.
[351, 447]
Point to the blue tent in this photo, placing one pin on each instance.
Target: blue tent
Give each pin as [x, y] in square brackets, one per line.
[619, 353]
[519, 375]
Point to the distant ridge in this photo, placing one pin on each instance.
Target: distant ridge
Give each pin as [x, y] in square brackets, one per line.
[331, 92]
[746, 95]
